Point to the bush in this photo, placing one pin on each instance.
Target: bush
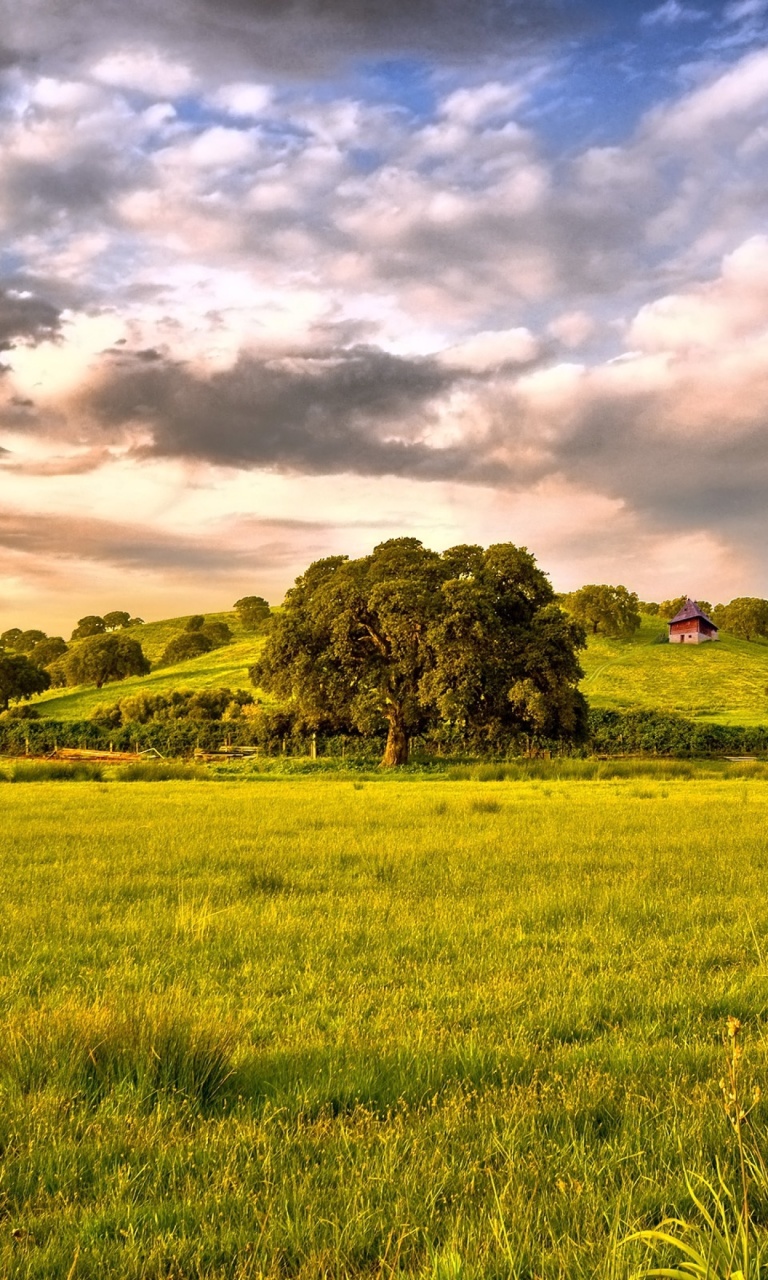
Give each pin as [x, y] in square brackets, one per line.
[190, 644]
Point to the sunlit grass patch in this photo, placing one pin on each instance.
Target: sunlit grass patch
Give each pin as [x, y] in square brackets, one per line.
[161, 771]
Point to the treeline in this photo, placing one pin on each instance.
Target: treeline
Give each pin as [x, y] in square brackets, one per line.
[179, 723]
[616, 611]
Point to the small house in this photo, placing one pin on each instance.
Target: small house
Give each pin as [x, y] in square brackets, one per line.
[691, 626]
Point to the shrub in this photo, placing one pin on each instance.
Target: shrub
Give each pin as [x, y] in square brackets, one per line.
[190, 644]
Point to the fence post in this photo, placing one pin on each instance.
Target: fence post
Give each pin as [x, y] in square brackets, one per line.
[313, 747]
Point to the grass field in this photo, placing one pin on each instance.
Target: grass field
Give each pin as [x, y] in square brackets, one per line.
[724, 682]
[317, 1027]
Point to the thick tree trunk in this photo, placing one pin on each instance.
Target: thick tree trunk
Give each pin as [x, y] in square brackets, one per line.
[396, 750]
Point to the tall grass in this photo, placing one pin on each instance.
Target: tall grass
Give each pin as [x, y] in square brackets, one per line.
[388, 1030]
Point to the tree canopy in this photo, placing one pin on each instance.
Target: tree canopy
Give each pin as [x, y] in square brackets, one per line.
[20, 678]
[613, 611]
[101, 659]
[745, 617]
[90, 625]
[253, 611]
[406, 638]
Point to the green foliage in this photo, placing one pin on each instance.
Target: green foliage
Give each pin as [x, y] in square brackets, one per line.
[190, 644]
[102, 659]
[649, 608]
[118, 620]
[180, 704]
[745, 617]
[254, 612]
[405, 637]
[91, 625]
[298, 1028]
[20, 679]
[46, 651]
[21, 641]
[613, 611]
[195, 640]
[217, 632]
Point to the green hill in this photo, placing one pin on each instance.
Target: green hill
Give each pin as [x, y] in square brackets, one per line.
[227, 666]
[724, 682]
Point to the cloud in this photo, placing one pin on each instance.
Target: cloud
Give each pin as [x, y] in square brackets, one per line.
[25, 318]
[362, 410]
[293, 37]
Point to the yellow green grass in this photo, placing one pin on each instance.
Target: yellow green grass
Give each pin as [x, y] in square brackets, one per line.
[317, 1027]
[225, 667]
[724, 682]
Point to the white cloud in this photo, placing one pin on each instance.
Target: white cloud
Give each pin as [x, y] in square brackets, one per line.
[739, 92]
[243, 99]
[145, 70]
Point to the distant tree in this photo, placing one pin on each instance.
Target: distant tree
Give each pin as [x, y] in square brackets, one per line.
[746, 617]
[668, 608]
[21, 641]
[91, 625]
[20, 679]
[195, 622]
[613, 611]
[190, 644]
[100, 659]
[217, 632]
[117, 620]
[404, 637]
[28, 639]
[48, 650]
[649, 608]
[253, 611]
[9, 639]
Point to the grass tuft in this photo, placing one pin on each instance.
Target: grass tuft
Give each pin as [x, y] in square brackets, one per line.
[149, 771]
[56, 771]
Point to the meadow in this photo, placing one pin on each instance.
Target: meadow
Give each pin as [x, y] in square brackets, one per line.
[724, 682]
[324, 1026]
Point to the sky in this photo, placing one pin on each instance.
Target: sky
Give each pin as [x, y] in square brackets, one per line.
[281, 279]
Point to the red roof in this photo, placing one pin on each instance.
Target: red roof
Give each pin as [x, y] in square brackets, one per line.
[689, 611]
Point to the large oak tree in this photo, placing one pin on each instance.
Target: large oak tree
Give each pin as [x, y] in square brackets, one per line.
[405, 638]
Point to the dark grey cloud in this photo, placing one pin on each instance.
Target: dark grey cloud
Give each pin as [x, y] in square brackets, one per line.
[25, 318]
[289, 36]
[362, 411]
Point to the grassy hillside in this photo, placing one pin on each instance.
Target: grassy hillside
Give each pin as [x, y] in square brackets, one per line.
[227, 666]
[723, 682]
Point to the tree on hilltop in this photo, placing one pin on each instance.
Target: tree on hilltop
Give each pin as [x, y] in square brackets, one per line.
[405, 637]
[253, 611]
[612, 611]
[91, 625]
[119, 620]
